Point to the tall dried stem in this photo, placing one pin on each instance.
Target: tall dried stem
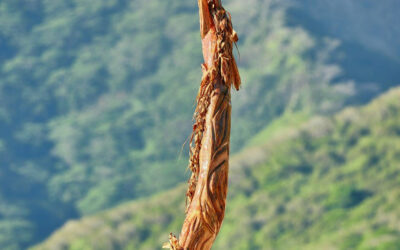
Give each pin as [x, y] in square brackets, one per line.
[209, 146]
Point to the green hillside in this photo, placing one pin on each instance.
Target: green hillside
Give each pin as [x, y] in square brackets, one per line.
[96, 96]
[325, 183]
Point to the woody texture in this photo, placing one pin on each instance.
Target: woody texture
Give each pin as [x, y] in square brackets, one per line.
[209, 144]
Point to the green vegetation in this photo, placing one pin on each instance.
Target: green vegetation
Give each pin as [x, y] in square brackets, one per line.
[332, 184]
[96, 97]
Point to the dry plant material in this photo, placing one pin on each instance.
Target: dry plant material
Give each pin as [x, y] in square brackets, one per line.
[209, 144]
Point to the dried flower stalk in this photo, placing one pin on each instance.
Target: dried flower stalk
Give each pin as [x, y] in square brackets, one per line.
[209, 147]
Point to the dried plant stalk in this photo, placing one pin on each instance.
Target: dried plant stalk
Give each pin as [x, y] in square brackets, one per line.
[209, 147]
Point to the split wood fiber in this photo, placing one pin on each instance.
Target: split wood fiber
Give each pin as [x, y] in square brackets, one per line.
[209, 144]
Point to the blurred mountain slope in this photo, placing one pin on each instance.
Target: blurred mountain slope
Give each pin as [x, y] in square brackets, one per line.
[369, 51]
[363, 22]
[331, 183]
[96, 97]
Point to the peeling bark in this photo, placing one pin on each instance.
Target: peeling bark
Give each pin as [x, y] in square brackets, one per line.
[209, 147]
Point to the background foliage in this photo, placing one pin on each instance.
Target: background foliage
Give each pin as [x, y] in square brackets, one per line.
[331, 183]
[96, 99]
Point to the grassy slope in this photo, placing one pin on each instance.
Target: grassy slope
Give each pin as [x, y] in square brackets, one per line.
[96, 97]
[330, 183]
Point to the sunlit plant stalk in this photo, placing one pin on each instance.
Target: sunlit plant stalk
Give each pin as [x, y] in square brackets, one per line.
[209, 147]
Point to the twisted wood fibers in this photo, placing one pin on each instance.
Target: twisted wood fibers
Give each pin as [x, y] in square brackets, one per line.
[209, 151]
